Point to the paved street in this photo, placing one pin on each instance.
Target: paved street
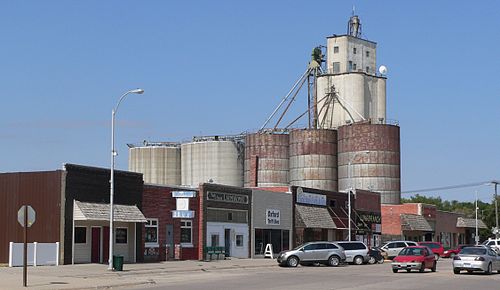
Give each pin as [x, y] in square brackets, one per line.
[242, 274]
[349, 277]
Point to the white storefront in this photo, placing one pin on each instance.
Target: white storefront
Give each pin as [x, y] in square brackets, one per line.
[233, 236]
[91, 232]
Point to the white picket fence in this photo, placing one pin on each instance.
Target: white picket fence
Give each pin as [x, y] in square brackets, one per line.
[38, 254]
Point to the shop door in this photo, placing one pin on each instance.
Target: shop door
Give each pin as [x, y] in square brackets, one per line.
[170, 241]
[227, 242]
[96, 245]
[105, 245]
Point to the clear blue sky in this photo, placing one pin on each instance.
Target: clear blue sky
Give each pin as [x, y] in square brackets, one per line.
[220, 67]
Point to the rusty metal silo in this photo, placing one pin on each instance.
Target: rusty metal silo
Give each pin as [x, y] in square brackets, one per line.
[313, 158]
[374, 152]
[266, 160]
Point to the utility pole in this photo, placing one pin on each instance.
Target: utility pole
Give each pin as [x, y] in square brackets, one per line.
[496, 209]
[476, 238]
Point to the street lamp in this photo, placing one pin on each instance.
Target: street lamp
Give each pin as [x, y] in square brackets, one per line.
[351, 187]
[495, 183]
[112, 178]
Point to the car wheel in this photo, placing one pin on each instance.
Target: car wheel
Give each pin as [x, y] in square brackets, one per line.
[489, 270]
[358, 260]
[422, 268]
[292, 261]
[456, 271]
[372, 260]
[433, 269]
[394, 270]
[333, 261]
[436, 256]
[381, 261]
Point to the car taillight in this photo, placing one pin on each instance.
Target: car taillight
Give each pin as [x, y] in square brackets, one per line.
[456, 258]
[479, 259]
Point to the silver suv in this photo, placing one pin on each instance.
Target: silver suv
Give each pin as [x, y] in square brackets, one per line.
[355, 252]
[329, 253]
[392, 249]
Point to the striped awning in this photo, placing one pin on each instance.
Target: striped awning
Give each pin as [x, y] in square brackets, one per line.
[85, 211]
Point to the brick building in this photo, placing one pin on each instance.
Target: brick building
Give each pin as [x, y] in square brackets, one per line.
[171, 231]
[423, 222]
[368, 217]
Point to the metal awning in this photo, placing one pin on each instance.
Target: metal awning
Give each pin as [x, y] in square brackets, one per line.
[85, 211]
[415, 222]
[313, 217]
[470, 223]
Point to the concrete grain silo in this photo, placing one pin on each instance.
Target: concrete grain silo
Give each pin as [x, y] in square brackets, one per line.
[267, 160]
[374, 152]
[216, 160]
[313, 158]
[159, 162]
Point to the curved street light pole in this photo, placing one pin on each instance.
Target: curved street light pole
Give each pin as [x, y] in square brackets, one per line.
[112, 176]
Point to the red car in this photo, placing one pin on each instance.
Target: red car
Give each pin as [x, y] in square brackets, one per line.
[437, 248]
[414, 258]
[452, 252]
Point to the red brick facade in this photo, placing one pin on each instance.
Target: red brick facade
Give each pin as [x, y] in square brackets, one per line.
[158, 203]
[391, 217]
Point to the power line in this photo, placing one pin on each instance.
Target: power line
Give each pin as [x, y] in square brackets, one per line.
[451, 187]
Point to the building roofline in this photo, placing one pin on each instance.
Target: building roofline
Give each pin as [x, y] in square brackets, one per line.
[342, 35]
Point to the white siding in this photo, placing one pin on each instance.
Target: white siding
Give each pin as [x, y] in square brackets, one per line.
[236, 229]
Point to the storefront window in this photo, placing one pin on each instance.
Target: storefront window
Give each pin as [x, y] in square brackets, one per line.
[239, 240]
[186, 232]
[121, 235]
[151, 232]
[214, 240]
[80, 235]
[279, 239]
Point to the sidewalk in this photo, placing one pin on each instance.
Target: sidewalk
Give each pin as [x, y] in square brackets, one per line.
[96, 276]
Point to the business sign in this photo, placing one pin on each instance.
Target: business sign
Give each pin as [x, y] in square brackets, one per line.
[183, 193]
[227, 197]
[369, 221]
[310, 198]
[273, 217]
[183, 214]
[182, 204]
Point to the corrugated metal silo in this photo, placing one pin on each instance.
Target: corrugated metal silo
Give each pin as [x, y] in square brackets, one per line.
[267, 159]
[374, 151]
[160, 163]
[218, 161]
[313, 158]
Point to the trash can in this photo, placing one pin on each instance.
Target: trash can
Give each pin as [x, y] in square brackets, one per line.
[118, 263]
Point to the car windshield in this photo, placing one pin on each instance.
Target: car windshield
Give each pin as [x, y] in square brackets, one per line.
[473, 251]
[412, 252]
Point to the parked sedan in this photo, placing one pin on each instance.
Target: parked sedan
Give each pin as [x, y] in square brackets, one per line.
[478, 258]
[436, 247]
[329, 253]
[414, 258]
[450, 253]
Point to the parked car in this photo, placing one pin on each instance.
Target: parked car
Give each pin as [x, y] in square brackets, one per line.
[329, 253]
[392, 249]
[477, 258]
[493, 243]
[375, 256]
[450, 253]
[355, 252]
[437, 248]
[414, 258]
